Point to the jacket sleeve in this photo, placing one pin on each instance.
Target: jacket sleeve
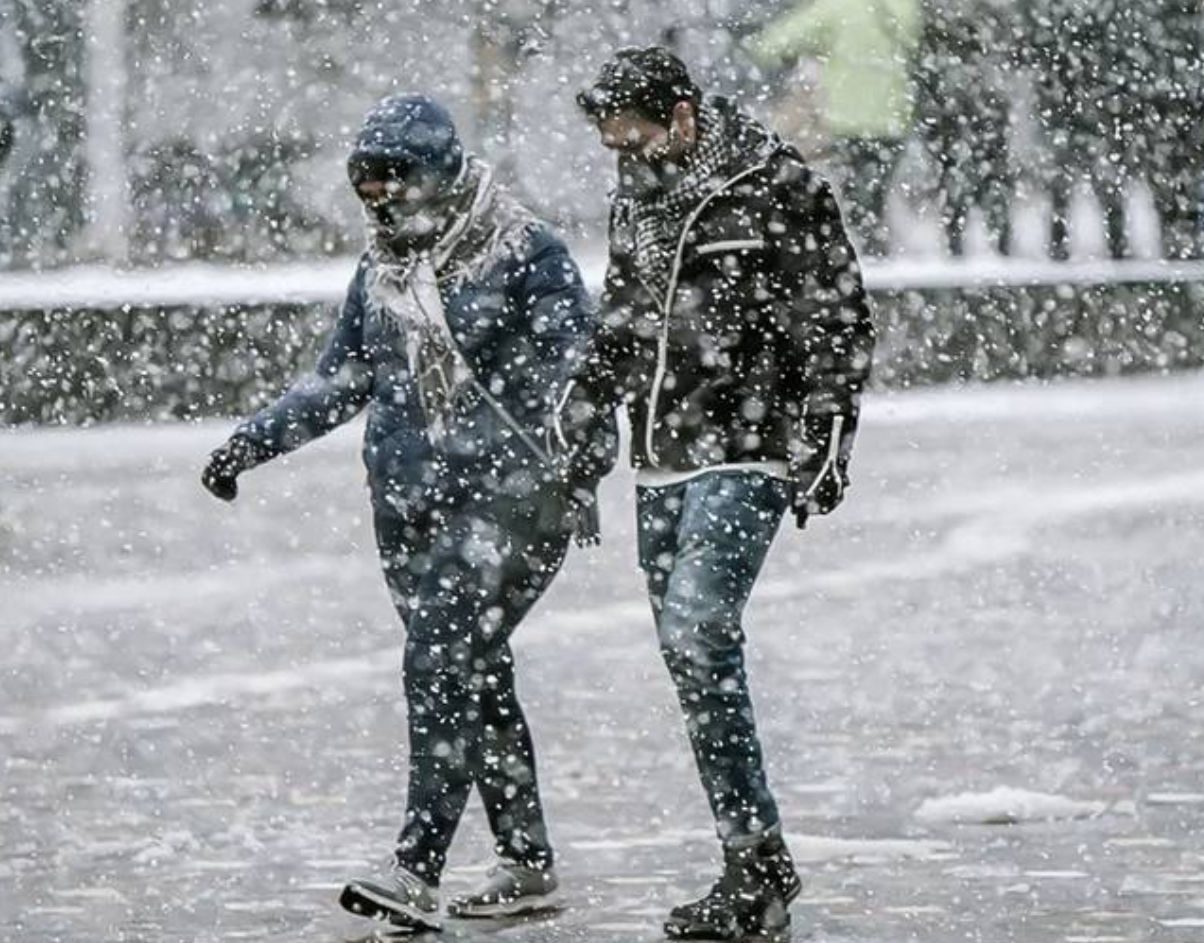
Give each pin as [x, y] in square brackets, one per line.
[585, 414]
[558, 315]
[602, 376]
[821, 309]
[563, 323]
[338, 388]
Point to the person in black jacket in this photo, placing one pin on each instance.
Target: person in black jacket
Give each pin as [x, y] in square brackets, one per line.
[462, 315]
[734, 326]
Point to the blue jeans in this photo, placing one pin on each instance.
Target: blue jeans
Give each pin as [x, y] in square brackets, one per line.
[462, 576]
[702, 544]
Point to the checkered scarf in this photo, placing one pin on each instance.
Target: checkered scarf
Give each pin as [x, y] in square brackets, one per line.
[724, 142]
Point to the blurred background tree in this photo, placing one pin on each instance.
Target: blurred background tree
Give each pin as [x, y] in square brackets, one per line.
[43, 202]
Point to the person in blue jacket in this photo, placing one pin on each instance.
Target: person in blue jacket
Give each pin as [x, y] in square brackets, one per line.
[464, 315]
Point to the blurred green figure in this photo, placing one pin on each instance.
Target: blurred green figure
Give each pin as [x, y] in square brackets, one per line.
[865, 48]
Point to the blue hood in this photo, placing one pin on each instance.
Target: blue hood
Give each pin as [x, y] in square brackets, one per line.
[404, 134]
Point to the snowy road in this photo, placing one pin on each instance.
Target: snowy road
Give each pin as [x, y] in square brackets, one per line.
[202, 735]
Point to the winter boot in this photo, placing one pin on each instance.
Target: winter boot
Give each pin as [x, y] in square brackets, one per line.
[509, 889]
[751, 899]
[397, 896]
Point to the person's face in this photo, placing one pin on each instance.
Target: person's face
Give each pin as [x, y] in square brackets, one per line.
[374, 192]
[407, 197]
[406, 213]
[631, 133]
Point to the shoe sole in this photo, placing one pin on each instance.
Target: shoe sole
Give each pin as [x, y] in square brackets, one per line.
[694, 932]
[528, 904]
[782, 935]
[364, 901]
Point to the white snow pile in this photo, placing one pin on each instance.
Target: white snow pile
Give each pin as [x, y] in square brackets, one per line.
[816, 849]
[166, 847]
[1005, 805]
[809, 849]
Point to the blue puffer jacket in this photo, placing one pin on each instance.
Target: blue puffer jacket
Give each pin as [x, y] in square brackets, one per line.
[520, 325]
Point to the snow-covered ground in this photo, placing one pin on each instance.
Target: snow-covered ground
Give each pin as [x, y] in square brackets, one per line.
[202, 733]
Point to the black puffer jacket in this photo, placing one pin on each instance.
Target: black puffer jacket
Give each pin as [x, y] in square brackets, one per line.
[764, 325]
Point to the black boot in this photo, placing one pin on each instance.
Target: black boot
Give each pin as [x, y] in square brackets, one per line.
[750, 901]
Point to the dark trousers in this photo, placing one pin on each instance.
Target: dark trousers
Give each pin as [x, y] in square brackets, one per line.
[973, 160]
[462, 576]
[866, 168]
[1176, 176]
[702, 544]
[1103, 161]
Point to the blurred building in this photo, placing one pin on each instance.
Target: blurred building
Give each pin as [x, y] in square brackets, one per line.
[237, 113]
[142, 130]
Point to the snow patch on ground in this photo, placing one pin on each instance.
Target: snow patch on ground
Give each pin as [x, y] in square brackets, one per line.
[1175, 798]
[815, 849]
[669, 838]
[224, 688]
[167, 847]
[1005, 805]
[1037, 400]
[806, 849]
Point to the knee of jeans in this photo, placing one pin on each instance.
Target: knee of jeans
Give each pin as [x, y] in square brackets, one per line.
[699, 645]
[435, 671]
[505, 764]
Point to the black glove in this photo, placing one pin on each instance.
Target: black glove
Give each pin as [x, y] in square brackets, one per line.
[581, 498]
[587, 529]
[819, 472]
[225, 465]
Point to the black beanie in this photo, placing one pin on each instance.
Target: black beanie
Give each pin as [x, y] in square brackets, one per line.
[649, 81]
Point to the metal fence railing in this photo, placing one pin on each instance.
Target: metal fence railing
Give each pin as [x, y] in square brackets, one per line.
[200, 284]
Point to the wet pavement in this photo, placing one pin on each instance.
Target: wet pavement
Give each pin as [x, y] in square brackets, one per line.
[202, 732]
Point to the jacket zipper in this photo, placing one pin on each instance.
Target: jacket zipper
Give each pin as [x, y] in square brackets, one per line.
[831, 459]
[662, 345]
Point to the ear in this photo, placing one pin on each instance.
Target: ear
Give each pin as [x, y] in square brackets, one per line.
[685, 122]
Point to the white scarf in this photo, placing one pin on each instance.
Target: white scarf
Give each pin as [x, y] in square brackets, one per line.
[407, 290]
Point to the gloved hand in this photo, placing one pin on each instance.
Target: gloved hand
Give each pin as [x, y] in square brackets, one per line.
[587, 530]
[226, 463]
[580, 496]
[819, 473]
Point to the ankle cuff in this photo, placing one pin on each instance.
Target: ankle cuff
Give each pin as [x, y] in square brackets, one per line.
[753, 840]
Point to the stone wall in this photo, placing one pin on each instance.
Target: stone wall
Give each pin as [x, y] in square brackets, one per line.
[138, 363]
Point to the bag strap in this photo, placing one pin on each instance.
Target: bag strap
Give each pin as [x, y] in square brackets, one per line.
[463, 365]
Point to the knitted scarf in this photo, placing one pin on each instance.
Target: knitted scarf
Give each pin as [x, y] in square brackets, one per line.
[484, 226]
[727, 141]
